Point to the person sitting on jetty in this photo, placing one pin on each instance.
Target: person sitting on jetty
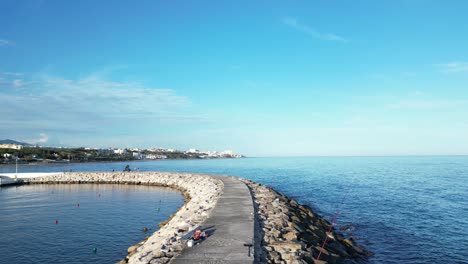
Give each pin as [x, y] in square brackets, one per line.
[199, 235]
[196, 235]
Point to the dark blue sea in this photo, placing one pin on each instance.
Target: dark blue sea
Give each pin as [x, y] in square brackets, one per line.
[404, 209]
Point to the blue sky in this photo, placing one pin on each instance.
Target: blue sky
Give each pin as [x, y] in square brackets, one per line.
[261, 78]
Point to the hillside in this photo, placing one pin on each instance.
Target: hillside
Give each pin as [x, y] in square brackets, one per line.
[9, 141]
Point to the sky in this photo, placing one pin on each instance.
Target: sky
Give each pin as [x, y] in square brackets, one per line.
[261, 78]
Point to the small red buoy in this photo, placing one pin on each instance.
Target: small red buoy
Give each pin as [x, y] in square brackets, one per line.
[56, 221]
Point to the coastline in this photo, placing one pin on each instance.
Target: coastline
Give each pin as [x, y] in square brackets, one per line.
[40, 164]
[285, 231]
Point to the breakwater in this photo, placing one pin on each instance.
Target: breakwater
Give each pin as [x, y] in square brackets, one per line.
[201, 192]
[285, 231]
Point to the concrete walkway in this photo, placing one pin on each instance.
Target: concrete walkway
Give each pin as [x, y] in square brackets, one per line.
[232, 221]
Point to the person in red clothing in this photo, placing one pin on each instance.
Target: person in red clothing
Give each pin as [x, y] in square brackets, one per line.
[196, 235]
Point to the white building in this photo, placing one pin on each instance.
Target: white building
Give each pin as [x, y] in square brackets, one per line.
[227, 152]
[154, 156]
[105, 151]
[138, 155]
[120, 151]
[11, 146]
[192, 150]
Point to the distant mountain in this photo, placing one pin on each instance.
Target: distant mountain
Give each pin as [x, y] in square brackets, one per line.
[9, 141]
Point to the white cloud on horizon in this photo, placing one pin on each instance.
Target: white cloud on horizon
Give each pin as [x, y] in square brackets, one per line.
[294, 23]
[43, 138]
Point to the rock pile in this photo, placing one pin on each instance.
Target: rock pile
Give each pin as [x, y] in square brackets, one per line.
[287, 232]
[201, 193]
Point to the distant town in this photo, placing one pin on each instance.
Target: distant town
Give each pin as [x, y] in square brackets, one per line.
[12, 152]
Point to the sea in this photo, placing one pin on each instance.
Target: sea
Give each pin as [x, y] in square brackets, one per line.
[411, 209]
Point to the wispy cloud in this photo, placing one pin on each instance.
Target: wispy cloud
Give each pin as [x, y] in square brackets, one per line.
[125, 98]
[11, 73]
[5, 42]
[453, 67]
[294, 23]
[90, 104]
[427, 104]
[18, 83]
[419, 100]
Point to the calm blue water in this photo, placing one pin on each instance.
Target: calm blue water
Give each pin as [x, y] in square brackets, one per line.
[404, 209]
[109, 218]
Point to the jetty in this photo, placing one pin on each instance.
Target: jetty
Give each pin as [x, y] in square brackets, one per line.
[246, 222]
[232, 225]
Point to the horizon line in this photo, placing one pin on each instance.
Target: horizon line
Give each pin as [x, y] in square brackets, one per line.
[357, 156]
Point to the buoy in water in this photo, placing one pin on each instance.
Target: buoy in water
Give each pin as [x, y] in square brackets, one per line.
[78, 205]
[94, 249]
[56, 221]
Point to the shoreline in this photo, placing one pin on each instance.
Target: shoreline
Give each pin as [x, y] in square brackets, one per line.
[285, 231]
[40, 164]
